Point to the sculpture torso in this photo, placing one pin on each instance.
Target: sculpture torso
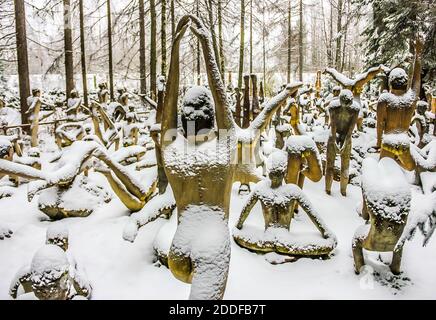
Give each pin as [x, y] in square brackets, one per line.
[277, 204]
[200, 174]
[345, 118]
[399, 111]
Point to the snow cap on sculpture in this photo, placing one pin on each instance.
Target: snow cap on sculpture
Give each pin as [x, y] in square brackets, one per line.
[277, 161]
[198, 106]
[398, 78]
[50, 262]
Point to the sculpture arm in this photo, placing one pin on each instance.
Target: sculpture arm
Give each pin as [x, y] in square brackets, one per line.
[313, 215]
[271, 107]
[381, 111]
[368, 76]
[313, 170]
[169, 112]
[21, 278]
[247, 210]
[416, 80]
[339, 77]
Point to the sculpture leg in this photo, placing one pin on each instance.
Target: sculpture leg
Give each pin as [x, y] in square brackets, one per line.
[359, 261]
[345, 166]
[396, 261]
[407, 161]
[331, 156]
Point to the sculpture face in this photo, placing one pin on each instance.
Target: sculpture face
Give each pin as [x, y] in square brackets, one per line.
[346, 98]
[197, 111]
[5, 151]
[398, 79]
[36, 92]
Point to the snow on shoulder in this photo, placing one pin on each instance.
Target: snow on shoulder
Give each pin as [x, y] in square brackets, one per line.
[299, 144]
[385, 188]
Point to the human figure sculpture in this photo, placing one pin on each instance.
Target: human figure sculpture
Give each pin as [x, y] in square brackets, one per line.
[64, 181]
[50, 277]
[196, 172]
[74, 106]
[343, 117]
[293, 110]
[421, 123]
[109, 134]
[277, 201]
[387, 198]
[130, 130]
[66, 134]
[395, 110]
[335, 94]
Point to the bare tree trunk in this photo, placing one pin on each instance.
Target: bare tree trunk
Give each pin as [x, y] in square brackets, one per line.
[255, 98]
[220, 40]
[213, 34]
[83, 54]
[241, 64]
[263, 47]
[339, 36]
[300, 44]
[163, 37]
[289, 42]
[153, 58]
[330, 51]
[23, 62]
[247, 109]
[173, 20]
[109, 35]
[68, 46]
[142, 45]
[251, 36]
[198, 49]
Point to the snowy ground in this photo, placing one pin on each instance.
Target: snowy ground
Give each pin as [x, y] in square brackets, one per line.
[118, 269]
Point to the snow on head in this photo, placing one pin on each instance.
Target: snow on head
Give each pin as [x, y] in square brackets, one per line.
[396, 140]
[50, 262]
[299, 144]
[57, 231]
[277, 161]
[398, 77]
[385, 187]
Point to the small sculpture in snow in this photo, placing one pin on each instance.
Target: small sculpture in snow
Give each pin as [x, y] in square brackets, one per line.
[343, 117]
[277, 201]
[386, 198]
[334, 95]
[75, 107]
[50, 277]
[66, 134]
[293, 110]
[109, 134]
[395, 110]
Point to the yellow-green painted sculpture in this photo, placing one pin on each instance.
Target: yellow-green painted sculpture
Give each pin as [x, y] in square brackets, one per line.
[386, 204]
[343, 117]
[395, 110]
[277, 201]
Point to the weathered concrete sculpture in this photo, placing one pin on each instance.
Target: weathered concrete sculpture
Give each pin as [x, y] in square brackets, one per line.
[293, 110]
[343, 117]
[109, 134]
[334, 95]
[75, 107]
[395, 110]
[66, 134]
[421, 123]
[277, 201]
[50, 277]
[57, 186]
[387, 198]
[196, 169]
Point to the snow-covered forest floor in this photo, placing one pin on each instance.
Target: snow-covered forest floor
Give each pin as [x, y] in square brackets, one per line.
[118, 269]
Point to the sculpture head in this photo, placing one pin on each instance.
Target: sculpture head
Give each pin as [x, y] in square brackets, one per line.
[398, 79]
[36, 92]
[74, 94]
[336, 91]
[422, 107]
[6, 149]
[346, 98]
[197, 110]
[57, 234]
[102, 86]
[277, 165]
[50, 273]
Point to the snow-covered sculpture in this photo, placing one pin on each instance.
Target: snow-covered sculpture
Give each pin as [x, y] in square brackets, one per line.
[130, 190]
[58, 186]
[395, 110]
[283, 131]
[334, 95]
[343, 117]
[293, 110]
[74, 107]
[387, 198]
[67, 133]
[198, 162]
[277, 201]
[421, 123]
[354, 85]
[109, 134]
[50, 276]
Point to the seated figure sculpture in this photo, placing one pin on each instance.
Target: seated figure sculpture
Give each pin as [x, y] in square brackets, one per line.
[387, 198]
[51, 276]
[395, 110]
[343, 117]
[277, 201]
[56, 186]
[420, 122]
